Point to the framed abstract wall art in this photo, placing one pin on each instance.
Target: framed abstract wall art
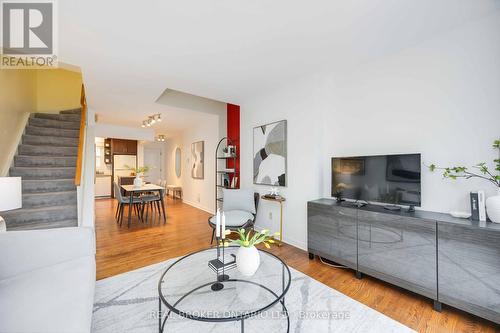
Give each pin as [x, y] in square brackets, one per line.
[197, 160]
[270, 154]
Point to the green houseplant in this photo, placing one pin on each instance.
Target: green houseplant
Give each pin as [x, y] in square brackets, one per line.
[480, 171]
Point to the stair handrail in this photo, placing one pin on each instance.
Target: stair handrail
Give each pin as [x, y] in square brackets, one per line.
[81, 139]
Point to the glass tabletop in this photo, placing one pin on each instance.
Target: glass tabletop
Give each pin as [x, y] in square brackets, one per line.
[186, 287]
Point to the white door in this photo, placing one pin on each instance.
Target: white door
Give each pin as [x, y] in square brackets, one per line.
[153, 159]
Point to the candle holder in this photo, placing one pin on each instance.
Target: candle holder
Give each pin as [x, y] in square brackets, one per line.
[224, 276]
[220, 263]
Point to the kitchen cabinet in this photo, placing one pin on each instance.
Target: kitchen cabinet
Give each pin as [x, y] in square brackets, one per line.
[103, 186]
[124, 147]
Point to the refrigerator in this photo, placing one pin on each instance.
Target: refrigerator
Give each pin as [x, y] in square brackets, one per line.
[120, 163]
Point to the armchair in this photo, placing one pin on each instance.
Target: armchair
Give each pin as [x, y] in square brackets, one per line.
[240, 209]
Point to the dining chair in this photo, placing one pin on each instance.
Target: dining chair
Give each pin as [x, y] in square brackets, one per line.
[123, 201]
[152, 202]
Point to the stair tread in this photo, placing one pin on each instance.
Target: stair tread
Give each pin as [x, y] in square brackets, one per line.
[41, 225]
[57, 141]
[57, 116]
[40, 209]
[71, 111]
[50, 120]
[43, 156]
[50, 193]
[62, 180]
[58, 132]
[38, 168]
[47, 150]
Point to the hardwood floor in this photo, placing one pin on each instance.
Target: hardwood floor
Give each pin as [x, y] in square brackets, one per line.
[120, 249]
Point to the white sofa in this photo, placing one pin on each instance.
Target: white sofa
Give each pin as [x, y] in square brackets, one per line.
[47, 280]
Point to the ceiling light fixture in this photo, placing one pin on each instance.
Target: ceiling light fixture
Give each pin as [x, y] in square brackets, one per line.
[161, 138]
[151, 120]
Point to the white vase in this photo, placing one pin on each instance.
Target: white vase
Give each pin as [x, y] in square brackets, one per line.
[247, 260]
[137, 181]
[493, 207]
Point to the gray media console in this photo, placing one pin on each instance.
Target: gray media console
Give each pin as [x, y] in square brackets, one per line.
[449, 260]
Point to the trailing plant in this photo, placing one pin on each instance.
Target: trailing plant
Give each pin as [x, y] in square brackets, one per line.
[249, 239]
[483, 172]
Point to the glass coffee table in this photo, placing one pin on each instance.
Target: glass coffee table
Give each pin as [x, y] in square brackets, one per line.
[185, 289]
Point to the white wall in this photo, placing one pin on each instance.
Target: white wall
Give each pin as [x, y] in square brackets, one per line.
[440, 98]
[200, 193]
[124, 132]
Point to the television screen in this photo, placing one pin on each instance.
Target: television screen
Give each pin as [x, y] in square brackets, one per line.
[392, 179]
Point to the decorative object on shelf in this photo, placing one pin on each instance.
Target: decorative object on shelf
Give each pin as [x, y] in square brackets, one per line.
[226, 176]
[492, 203]
[225, 180]
[234, 181]
[493, 207]
[139, 172]
[460, 215]
[274, 192]
[248, 257]
[107, 151]
[198, 159]
[156, 118]
[10, 196]
[161, 138]
[270, 154]
[477, 206]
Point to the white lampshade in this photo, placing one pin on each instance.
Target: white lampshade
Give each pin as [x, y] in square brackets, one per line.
[10, 193]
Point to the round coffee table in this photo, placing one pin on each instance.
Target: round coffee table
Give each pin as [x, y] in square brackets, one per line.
[185, 288]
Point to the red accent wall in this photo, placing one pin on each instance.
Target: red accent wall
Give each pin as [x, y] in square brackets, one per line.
[233, 134]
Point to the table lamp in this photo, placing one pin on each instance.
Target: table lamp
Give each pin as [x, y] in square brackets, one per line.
[10, 196]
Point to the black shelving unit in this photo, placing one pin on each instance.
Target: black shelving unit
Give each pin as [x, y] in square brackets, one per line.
[220, 173]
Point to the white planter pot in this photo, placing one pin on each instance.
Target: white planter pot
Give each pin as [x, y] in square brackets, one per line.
[247, 260]
[493, 207]
[137, 181]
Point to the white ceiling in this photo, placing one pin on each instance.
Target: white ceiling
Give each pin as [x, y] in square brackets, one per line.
[230, 50]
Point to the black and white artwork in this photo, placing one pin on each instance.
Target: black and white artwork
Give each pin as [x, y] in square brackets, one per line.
[269, 154]
[197, 156]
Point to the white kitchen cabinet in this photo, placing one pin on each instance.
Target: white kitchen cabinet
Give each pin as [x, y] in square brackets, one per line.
[103, 186]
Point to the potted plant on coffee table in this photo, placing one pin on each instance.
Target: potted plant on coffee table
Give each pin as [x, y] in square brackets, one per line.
[248, 257]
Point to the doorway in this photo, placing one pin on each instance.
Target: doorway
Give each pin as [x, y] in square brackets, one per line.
[153, 158]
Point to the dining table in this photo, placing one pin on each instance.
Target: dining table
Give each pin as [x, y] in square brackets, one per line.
[145, 188]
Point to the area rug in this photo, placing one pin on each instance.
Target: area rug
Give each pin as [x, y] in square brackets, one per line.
[129, 303]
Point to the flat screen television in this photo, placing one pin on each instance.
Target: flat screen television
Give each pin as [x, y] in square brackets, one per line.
[388, 179]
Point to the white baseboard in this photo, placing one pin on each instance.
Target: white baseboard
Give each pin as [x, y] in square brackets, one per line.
[197, 205]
